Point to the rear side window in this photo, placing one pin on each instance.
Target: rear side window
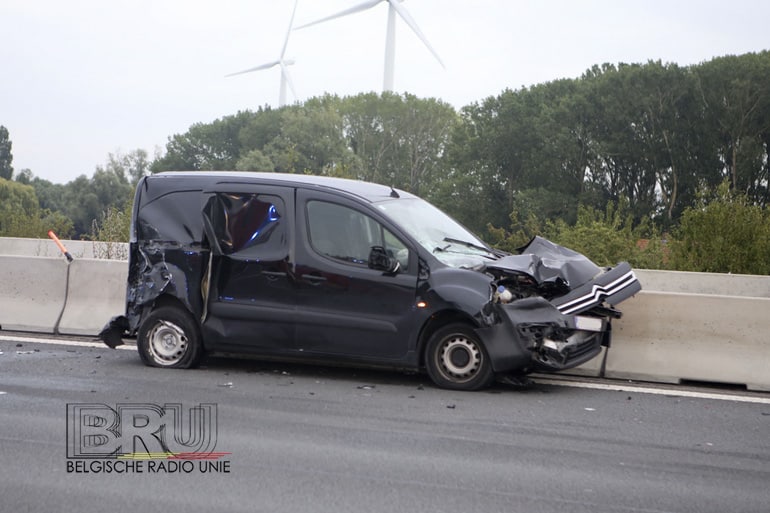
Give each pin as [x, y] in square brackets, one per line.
[343, 233]
[249, 225]
[173, 217]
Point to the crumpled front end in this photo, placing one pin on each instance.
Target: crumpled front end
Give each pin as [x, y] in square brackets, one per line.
[531, 334]
[553, 303]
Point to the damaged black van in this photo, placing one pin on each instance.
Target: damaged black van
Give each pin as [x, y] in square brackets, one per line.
[328, 269]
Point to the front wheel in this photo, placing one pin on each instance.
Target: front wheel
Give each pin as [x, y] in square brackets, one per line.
[169, 337]
[456, 359]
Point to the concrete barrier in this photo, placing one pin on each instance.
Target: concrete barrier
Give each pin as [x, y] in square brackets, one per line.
[78, 248]
[96, 293]
[671, 337]
[744, 285]
[32, 292]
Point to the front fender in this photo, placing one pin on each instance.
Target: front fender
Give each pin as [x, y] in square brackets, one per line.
[461, 290]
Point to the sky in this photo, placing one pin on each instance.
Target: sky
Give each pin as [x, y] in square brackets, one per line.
[83, 79]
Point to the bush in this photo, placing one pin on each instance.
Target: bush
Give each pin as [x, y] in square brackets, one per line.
[605, 237]
[723, 233]
[520, 232]
[114, 226]
[610, 237]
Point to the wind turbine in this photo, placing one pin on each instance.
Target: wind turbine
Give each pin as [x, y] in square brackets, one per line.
[394, 7]
[282, 62]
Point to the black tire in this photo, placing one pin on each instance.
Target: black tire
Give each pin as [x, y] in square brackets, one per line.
[456, 359]
[169, 337]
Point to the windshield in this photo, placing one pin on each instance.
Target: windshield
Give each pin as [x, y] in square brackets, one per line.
[438, 233]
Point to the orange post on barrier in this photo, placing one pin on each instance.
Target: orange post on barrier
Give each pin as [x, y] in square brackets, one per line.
[61, 246]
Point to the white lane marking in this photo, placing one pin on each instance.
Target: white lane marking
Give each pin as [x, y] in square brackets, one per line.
[656, 391]
[61, 342]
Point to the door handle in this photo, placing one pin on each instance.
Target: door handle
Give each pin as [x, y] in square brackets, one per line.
[314, 279]
[272, 275]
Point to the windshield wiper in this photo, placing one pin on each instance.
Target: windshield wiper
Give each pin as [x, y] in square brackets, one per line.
[472, 246]
[468, 244]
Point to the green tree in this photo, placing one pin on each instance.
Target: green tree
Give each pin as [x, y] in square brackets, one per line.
[21, 215]
[86, 199]
[400, 139]
[6, 156]
[205, 146]
[477, 183]
[50, 195]
[18, 205]
[132, 166]
[652, 137]
[24, 176]
[312, 141]
[254, 160]
[259, 129]
[566, 151]
[736, 95]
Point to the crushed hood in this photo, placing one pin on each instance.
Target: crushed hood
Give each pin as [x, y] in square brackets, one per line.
[548, 263]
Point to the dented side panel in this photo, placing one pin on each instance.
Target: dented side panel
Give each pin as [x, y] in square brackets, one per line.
[161, 269]
[167, 253]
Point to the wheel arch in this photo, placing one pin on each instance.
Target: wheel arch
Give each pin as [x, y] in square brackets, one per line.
[168, 300]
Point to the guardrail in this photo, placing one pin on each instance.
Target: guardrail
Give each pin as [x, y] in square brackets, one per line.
[681, 327]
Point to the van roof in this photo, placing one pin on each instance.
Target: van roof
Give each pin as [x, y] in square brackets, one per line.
[366, 190]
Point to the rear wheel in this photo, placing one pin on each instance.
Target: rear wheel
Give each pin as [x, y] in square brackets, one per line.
[456, 359]
[169, 337]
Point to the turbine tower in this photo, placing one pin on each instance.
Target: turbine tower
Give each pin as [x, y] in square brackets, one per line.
[282, 62]
[394, 8]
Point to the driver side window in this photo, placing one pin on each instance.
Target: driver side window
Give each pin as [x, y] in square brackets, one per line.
[344, 234]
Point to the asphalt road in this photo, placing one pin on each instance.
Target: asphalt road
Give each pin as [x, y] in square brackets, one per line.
[307, 438]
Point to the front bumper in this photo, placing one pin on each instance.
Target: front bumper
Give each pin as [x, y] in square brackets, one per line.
[534, 335]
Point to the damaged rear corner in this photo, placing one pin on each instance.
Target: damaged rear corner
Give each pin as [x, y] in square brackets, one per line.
[159, 271]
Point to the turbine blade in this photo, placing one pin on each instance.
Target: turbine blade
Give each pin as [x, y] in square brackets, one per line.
[351, 10]
[288, 31]
[396, 5]
[287, 76]
[255, 68]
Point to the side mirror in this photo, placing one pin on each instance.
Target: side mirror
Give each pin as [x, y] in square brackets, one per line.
[379, 260]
